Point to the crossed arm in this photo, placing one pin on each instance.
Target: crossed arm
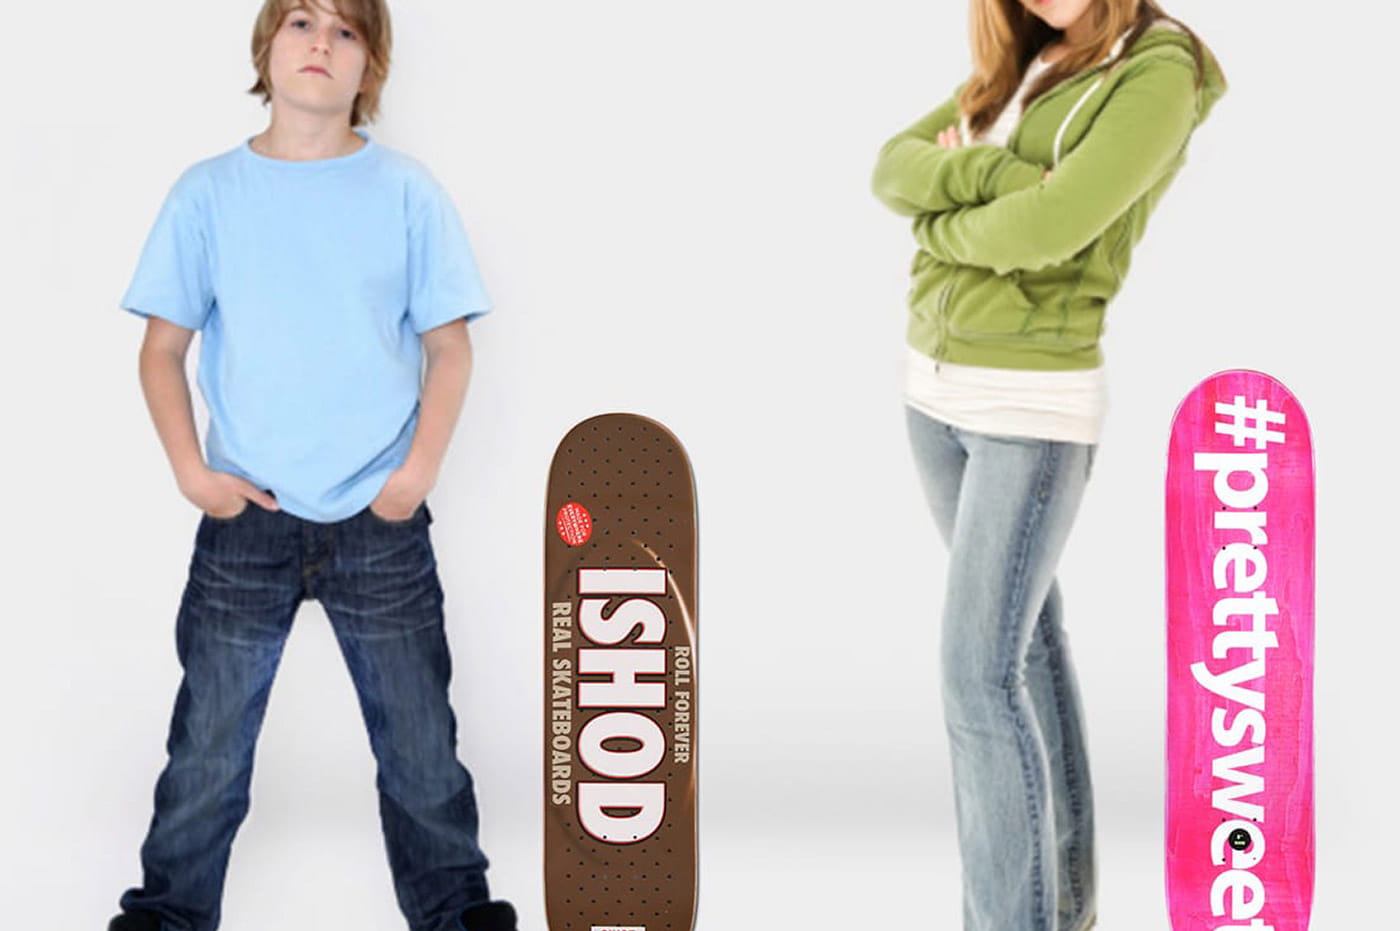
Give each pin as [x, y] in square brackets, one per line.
[981, 205]
[1135, 139]
[915, 175]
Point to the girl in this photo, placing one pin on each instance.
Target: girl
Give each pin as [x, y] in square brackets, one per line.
[1028, 189]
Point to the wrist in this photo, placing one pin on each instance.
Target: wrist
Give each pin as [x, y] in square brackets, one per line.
[419, 473]
[190, 474]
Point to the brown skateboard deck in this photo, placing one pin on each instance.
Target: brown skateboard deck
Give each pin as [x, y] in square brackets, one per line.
[620, 680]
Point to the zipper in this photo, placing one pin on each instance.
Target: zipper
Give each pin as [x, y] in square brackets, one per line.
[941, 318]
[1113, 56]
[1054, 92]
[943, 300]
[1062, 87]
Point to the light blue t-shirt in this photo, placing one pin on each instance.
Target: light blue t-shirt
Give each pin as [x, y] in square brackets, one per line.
[310, 282]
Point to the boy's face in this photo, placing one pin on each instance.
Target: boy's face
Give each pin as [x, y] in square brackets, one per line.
[316, 61]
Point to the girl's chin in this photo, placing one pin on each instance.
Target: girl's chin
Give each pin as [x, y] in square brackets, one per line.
[1047, 13]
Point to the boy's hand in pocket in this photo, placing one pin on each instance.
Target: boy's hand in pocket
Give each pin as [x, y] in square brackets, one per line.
[224, 495]
[402, 493]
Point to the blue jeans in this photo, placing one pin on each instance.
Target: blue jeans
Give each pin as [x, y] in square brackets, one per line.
[377, 581]
[1004, 506]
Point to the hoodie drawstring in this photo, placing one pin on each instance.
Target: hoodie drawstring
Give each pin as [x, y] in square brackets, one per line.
[1055, 163]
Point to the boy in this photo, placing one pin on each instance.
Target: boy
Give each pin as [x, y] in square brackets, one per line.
[321, 268]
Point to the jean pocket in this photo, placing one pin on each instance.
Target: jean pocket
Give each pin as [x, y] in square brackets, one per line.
[419, 512]
[247, 506]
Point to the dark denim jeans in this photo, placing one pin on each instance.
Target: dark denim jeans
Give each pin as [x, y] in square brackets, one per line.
[377, 581]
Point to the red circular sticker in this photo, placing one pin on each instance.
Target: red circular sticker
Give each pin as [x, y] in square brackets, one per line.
[574, 523]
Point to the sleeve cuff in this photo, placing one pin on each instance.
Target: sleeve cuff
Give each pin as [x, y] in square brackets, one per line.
[147, 310]
[432, 322]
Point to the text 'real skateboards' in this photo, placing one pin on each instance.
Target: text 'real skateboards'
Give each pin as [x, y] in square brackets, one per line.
[620, 680]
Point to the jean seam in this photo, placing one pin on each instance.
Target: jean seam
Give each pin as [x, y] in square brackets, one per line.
[1076, 802]
[1016, 605]
[301, 571]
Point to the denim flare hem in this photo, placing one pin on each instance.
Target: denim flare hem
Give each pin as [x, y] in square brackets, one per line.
[1004, 506]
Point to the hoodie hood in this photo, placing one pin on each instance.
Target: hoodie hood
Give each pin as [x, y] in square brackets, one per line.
[1166, 38]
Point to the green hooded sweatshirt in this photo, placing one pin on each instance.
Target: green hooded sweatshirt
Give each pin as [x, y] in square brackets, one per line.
[1014, 271]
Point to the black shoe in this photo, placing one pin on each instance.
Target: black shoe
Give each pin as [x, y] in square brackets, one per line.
[489, 916]
[135, 921]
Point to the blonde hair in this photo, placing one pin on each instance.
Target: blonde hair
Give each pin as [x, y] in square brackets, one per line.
[1006, 37]
[368, 18]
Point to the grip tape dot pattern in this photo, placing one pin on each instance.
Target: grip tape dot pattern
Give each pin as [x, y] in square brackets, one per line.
[634, 480]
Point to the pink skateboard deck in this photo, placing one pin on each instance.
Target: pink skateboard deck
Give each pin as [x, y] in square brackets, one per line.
[1239, 543]
[620, 680]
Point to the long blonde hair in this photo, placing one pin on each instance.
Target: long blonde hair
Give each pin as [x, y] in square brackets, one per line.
[1006, 37]
[369, 18]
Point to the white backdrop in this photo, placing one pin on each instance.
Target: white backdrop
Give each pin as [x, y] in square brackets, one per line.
[670, 205]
